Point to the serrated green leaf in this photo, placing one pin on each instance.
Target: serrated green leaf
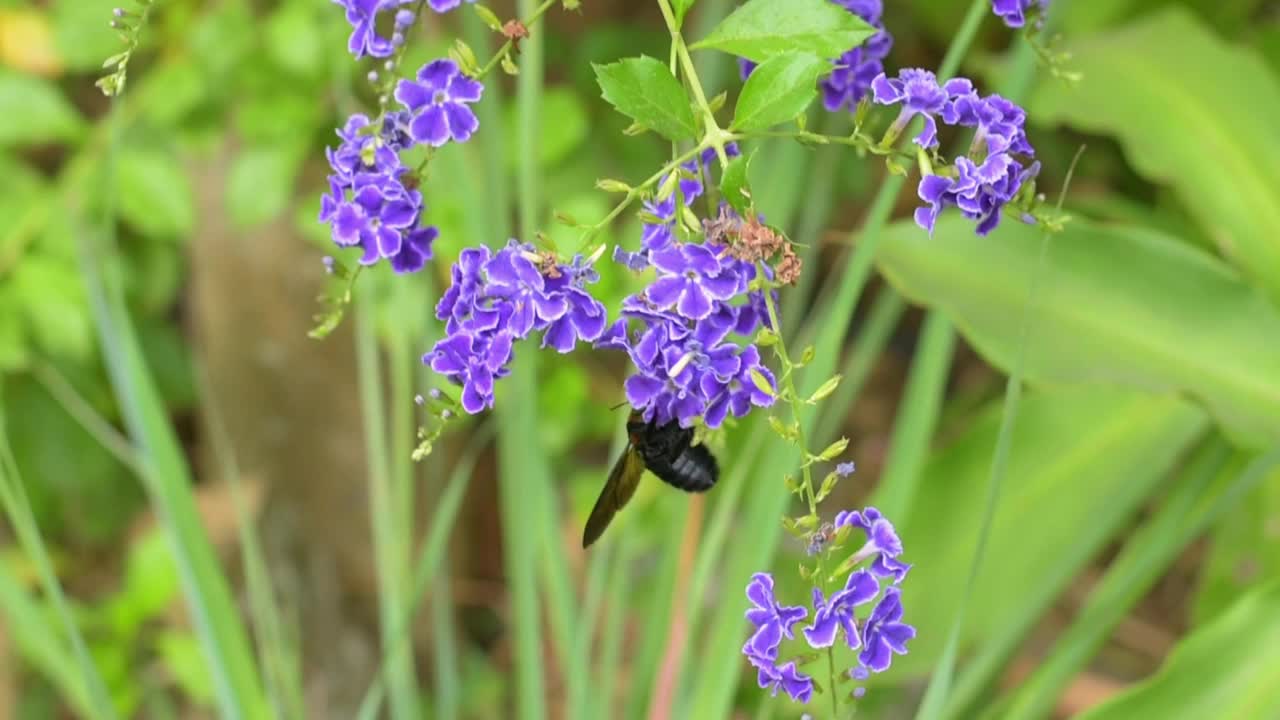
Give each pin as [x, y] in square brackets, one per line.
[761, 29]
[33, 111]
[735, 183]
[1097, 320]
[1225, 670]
[155, 194]
[644, 90]
[1190, 111]
[778, 90]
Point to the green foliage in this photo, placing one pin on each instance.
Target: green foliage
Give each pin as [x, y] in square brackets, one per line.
[644, 90]
[155, 193]
[32, 111]
[1212, 138]
[778, 90]
[735, 185]
[1225, 669]
[760, 29]
[1204, 331]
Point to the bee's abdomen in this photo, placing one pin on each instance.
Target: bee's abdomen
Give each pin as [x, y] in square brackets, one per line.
[693, 469]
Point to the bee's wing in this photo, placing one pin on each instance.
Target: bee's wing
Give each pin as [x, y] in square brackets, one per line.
[618, 489]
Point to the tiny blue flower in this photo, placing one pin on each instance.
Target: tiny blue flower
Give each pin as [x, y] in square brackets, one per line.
[772, 620]
[363, 16]
[837, 613]
[844, 469]
[884, 634]
[438, 102]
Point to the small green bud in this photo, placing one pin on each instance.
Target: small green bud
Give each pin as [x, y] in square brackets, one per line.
[761, 383]
[613, 186]
[828, 484]
[825, 389]
[835, 449]
[489, 18]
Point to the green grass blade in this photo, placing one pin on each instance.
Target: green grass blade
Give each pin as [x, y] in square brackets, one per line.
[390, 573]
[430, 560]
[279, 654]
[223, 637]
[917, 417]
[524, 476]
[613, 634]
[1204, 495]
[886, 311]
[656, 621]
[95, 701]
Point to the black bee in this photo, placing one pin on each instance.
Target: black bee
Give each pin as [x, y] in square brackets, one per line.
[666, 451]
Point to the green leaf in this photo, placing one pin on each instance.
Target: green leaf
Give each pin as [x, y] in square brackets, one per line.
[681, 7]
[1186, 322]
[778, 90]
[83, 34]
[52, 300]
[1225, 670]
[293, 38]
[1081, 458]
[734, 184]
[260, 183]
[1192, 112]
[644, 90]
[33, 111]
[1244, 551]
[761, 29]
[155, 194]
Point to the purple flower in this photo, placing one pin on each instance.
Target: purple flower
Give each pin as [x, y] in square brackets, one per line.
[690, 278]
[438, 103]
[844, 469]
[442, 6]
[849, 82]
[919, 94]
[1014, 12]
[380, 208]
[363, 16]
[980, 191]
[786, 678]
[1000, 123]
[883, 635]
[633, 261]
[584, 319]
[881, 542]
[415, 250]
[837, 613]
[772, 620]
[734, 391]
[474, 362]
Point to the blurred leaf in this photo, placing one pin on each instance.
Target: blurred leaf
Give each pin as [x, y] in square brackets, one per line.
[1120, 305]
[182, 657]
[681, 7]
[29, 630]
[778, 90]
[761, 29]
[1082, 462]
[294, 39]
[561, 136]
[82, 30]
[33, 111]
[1192, 112]
[276, 113]
[155, 194]
[1244, 552]
[150, 581]
[222, 37]
[169, 358]
[170, 91]
[735, 185]
[260, 183]
[52, 300]
[644, 90]
[13, 342]
[1226, 669]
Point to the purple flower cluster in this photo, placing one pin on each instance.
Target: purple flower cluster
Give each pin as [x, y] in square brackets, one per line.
[372, 200]
[363, 16]
[1014, 13]
[849, 82]
[687, 364]
[368, 203]
[496, 299]
[983, 182]
[878, 635]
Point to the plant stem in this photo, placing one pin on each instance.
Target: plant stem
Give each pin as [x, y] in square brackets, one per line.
[639, 191]
[715, 137]
[506, 46]
[793, 399]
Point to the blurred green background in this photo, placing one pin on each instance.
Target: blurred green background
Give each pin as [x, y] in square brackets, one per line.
[209, 513]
